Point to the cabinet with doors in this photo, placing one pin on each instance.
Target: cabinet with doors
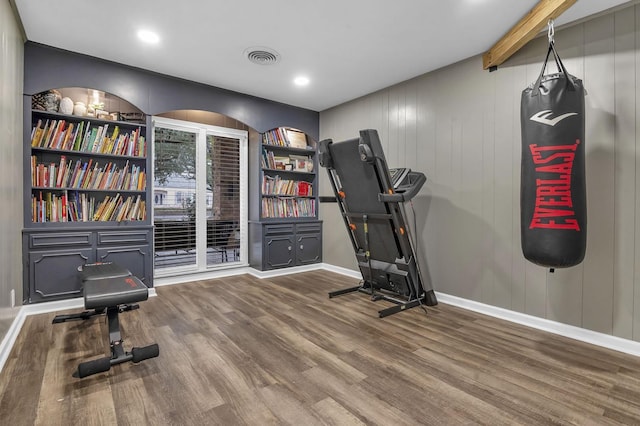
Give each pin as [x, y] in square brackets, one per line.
[53, 256]
[86, 189]
[284, 230]
[281, 245]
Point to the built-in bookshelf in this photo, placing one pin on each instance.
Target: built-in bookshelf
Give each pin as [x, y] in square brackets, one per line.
[288, 175]
[85, 169]
[86, 190]
[284, 229]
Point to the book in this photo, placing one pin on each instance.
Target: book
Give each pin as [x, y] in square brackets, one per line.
[49, 134]
[74, 174]
[85, 137]
[68, 135]
[36, 134]
[78, 137]
[142, 181]
[56, 142]
[63, 161]
[42, 137]
[102, 207]
[84, 182]
[91, 139]
[303, 189]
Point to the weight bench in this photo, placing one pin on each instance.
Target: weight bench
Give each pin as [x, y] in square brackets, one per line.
[111, 288]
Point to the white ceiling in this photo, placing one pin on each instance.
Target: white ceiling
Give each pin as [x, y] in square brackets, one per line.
[347, 48]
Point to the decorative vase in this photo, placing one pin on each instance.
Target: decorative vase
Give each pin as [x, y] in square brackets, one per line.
[52, 100]
[80, 109]
[66, 106]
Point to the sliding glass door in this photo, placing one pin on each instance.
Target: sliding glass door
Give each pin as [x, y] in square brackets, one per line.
[223, 199]
[199, 191]
[174, 196]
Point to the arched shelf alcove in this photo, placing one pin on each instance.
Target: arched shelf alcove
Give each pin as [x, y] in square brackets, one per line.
[86, 190]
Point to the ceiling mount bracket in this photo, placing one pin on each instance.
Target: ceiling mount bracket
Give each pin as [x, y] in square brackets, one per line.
[550, 31]
[525, 30]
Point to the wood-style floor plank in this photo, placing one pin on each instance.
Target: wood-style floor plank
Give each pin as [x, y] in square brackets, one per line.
[245, 351]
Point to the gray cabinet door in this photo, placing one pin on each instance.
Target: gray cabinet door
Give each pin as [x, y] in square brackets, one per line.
[54, 273]
[133, 258]
[129, 248]
[285, 244]
[279, 251]
[308, 248]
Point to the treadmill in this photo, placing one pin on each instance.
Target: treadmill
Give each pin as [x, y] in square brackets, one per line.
[371, 199]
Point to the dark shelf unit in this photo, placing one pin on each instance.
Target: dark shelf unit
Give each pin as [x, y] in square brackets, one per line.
[284, 229]
[53, 250]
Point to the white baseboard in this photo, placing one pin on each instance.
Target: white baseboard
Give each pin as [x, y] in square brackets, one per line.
[343, 271]
[208, 275]
[599, 339]
[593, 337]
[284, 271]
[10, 338]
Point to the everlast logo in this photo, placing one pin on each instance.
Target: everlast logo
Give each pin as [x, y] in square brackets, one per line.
[554, 208]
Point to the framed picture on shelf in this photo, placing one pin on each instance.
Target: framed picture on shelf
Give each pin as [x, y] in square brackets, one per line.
[297, 139]
[302, 164]
[281, 163]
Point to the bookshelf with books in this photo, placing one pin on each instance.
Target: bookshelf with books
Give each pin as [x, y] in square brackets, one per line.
[285, 230]
[86, 192]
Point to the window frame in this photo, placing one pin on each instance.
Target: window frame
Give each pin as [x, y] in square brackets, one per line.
[202, 131]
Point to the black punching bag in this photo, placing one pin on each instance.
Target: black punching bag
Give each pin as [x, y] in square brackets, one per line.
[553, 199]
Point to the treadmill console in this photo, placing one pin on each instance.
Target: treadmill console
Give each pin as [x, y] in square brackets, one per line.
[406, 185]
[398, 176]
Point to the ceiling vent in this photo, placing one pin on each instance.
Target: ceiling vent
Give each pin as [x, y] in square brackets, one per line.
[262, 55]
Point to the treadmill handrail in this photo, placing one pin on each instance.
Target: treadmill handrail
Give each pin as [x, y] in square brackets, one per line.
[401, 197]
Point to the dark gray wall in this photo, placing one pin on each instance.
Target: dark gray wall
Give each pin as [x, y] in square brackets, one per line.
[461, 126]
[46, 68]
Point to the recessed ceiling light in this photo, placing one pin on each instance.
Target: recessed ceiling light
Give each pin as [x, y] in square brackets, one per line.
[301, 81]
[148, 36]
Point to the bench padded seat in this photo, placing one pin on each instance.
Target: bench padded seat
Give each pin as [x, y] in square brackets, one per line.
[99, 271]
[108, 292]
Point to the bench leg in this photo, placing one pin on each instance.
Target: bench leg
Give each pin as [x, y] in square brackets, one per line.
[118, 354]
[115, 338]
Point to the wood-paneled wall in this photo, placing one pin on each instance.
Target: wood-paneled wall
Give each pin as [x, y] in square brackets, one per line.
[11, 54]
[461, 126]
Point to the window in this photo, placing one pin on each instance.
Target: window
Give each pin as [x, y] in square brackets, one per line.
[199, 210]
[158, 197]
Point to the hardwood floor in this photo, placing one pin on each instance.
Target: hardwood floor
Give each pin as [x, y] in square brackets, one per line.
[241, 350]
